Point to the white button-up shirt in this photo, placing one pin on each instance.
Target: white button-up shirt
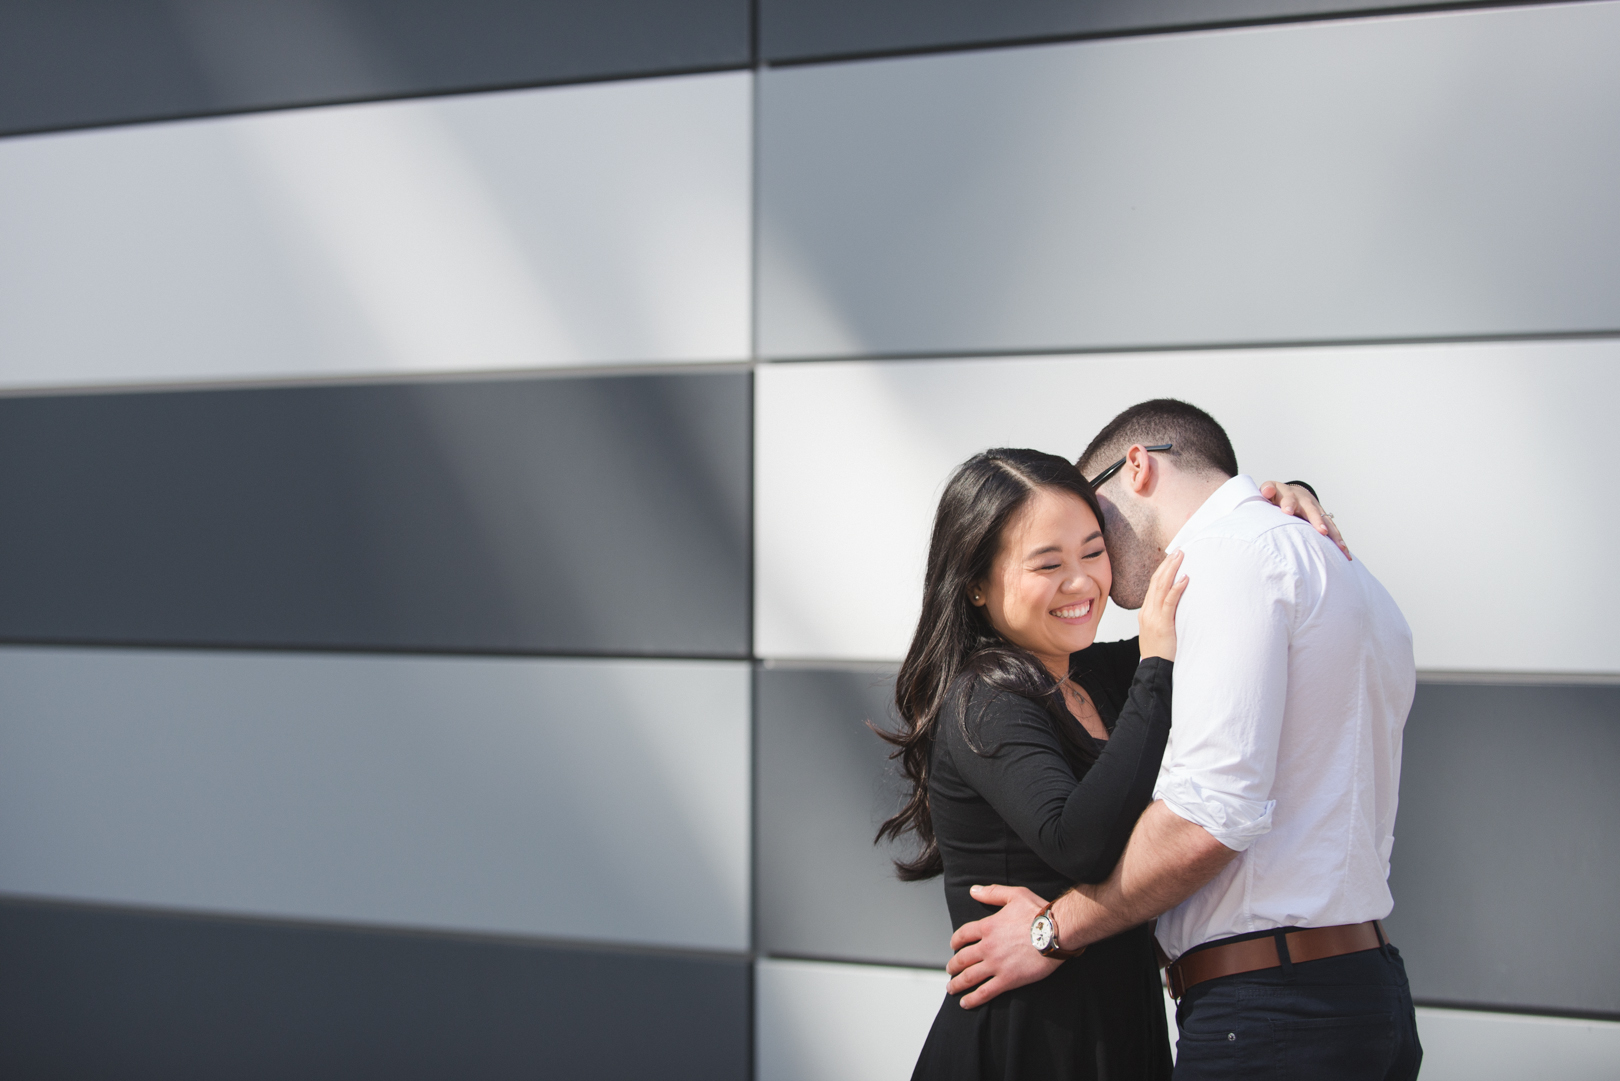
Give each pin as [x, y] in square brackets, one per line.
[1294, 675]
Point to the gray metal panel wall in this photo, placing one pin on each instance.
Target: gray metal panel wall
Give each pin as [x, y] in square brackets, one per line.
[72, 63]
[824, 783]
[600, 800]
[1503, 849]
[1506, 859]
[1311, 182]
[585, 515]
[822, 1021]
[852, 454]
[102, 994]
[810, 29]
[554, 228]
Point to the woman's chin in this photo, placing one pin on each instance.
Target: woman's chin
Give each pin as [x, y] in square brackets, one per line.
[1076, 638]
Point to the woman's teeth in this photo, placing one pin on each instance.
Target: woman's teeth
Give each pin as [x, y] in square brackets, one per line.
[1073, 611]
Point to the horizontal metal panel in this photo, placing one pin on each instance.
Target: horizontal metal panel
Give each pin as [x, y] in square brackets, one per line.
[114, 61]
[594, 800]
[825, 784]
[828, 1022]
[1471, 1045]
[817, 29]
[585, 515]
[572, 226]
[1422, 176]
[1442, 462]
[102, 994]
[1505, 849]
[832, 1022]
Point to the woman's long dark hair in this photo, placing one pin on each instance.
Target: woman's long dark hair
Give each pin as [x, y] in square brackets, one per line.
[954, 636]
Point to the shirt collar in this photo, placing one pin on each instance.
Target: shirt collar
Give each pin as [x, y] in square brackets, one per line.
[1222, 501]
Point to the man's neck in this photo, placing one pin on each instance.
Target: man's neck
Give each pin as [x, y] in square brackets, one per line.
[1178, 496]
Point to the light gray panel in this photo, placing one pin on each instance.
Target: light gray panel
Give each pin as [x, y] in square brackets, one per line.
[1473, 1045]
[598, 800]
[852, 456]
[824, 785]
[805, 29]
[831, 1022]
[1412, 176]
[572, 226]
[112, 61]
[1506, 860]
[100, 994]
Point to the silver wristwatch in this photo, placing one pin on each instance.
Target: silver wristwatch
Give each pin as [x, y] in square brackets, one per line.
[1043, 935]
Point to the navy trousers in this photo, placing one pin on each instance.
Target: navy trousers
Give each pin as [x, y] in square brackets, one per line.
[1347, 1018]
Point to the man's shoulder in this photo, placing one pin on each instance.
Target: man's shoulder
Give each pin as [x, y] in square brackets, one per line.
[1256, 527]
[1256, 542]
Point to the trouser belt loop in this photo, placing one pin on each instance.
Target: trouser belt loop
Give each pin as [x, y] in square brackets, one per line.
[1287, 962]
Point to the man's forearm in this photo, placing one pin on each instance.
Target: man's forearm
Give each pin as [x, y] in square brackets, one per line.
[1166, 861]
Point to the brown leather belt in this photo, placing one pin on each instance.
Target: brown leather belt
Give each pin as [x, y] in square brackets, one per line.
[1254, 954]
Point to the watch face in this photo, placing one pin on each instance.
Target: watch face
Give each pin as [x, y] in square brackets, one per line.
[1040, 933]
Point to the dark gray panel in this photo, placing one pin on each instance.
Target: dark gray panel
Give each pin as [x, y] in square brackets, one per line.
[1506, 860]
[71, 63]
[580, 515]
[89, 993]
[816, 29]
[824, 785]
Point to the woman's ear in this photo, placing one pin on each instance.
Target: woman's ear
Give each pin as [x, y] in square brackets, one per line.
[976, 594]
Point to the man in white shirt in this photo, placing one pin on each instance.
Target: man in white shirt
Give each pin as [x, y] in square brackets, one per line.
[1265, 854]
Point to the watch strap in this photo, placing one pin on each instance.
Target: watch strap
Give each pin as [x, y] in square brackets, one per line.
[1053, 950]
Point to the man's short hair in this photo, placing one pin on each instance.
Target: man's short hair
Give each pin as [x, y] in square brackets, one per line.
[1199, 445]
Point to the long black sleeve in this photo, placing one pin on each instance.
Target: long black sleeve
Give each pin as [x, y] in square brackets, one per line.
[1078, 827]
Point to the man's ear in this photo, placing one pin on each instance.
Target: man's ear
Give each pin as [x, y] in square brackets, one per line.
[1140, 470]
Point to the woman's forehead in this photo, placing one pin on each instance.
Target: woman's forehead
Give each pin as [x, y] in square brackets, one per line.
[1050, 511]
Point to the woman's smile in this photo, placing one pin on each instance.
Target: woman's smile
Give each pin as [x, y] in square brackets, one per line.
[1075, 614]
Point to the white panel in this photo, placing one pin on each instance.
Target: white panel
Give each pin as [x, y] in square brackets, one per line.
[1464, 1045]
[817, 1021]
[836, 1022]
[1471, 478]
[568, 226]
[1416, 176]
[601, 800]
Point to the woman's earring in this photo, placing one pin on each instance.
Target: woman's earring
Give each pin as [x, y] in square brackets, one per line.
[975, 598]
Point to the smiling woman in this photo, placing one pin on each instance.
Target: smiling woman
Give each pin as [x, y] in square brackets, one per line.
[1048, 586]
[1031, 751]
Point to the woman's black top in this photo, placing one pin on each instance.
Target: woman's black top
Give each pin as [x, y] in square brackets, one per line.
[1016, 803]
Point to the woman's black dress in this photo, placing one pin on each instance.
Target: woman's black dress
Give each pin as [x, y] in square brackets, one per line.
[1019, 816]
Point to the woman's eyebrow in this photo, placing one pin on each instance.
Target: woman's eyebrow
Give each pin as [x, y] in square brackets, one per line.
[1093, 537]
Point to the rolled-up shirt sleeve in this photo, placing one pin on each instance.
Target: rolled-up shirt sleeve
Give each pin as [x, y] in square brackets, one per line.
[1233, 630]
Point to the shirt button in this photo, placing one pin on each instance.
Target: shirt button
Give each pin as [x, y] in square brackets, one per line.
[1231, 1035]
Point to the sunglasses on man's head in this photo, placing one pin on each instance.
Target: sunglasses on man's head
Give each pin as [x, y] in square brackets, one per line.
[1100, 478]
